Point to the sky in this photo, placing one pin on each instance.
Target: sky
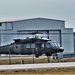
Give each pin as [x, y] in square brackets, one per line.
[51, 9]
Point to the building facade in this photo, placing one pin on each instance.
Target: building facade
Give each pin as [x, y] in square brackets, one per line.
[51, 29]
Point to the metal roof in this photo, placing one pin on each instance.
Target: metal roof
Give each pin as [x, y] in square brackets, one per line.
[6, 21]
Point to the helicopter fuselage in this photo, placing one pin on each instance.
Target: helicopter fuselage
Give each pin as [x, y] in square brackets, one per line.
[37, 48]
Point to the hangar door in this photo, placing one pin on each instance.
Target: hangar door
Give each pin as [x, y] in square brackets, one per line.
[54, 35]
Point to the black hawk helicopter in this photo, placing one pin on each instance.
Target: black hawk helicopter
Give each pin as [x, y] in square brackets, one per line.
[28, 46]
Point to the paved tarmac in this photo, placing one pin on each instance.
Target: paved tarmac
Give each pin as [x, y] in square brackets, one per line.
[33, 66]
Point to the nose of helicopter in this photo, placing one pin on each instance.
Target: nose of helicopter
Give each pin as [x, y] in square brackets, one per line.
[60, 50]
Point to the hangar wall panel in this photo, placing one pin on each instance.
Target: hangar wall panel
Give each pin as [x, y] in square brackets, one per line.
[55, 36]
[3, 26]
[38, 24]
[67, 43]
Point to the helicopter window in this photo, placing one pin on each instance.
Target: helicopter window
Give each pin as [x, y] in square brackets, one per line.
[27, 45]
[16, 47]
[47, 45]
[52, 45]
[32, 45]
[42, 45]
[56, 44]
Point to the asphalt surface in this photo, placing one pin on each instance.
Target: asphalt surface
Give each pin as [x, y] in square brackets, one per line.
[33, 66]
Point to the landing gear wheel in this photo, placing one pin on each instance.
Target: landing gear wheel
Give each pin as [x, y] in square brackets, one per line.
[36, 55]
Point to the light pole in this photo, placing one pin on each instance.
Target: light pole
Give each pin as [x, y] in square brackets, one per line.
[33, 55]
[9, 57]
[48, 57]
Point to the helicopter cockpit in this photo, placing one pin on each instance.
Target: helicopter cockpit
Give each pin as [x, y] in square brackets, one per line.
[52, 45]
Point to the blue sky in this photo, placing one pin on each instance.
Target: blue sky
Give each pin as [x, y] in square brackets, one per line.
[53, 9]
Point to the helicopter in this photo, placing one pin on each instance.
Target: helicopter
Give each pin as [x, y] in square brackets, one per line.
[28, 46]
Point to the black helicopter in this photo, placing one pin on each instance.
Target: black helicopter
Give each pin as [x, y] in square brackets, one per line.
[37, 46]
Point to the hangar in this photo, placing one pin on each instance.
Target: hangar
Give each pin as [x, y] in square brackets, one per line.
[51, 28]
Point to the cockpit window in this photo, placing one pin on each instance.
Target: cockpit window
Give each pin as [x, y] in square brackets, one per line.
[47, 45]
[54, 44]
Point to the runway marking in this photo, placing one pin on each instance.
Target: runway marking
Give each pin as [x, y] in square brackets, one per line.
[32, 66]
